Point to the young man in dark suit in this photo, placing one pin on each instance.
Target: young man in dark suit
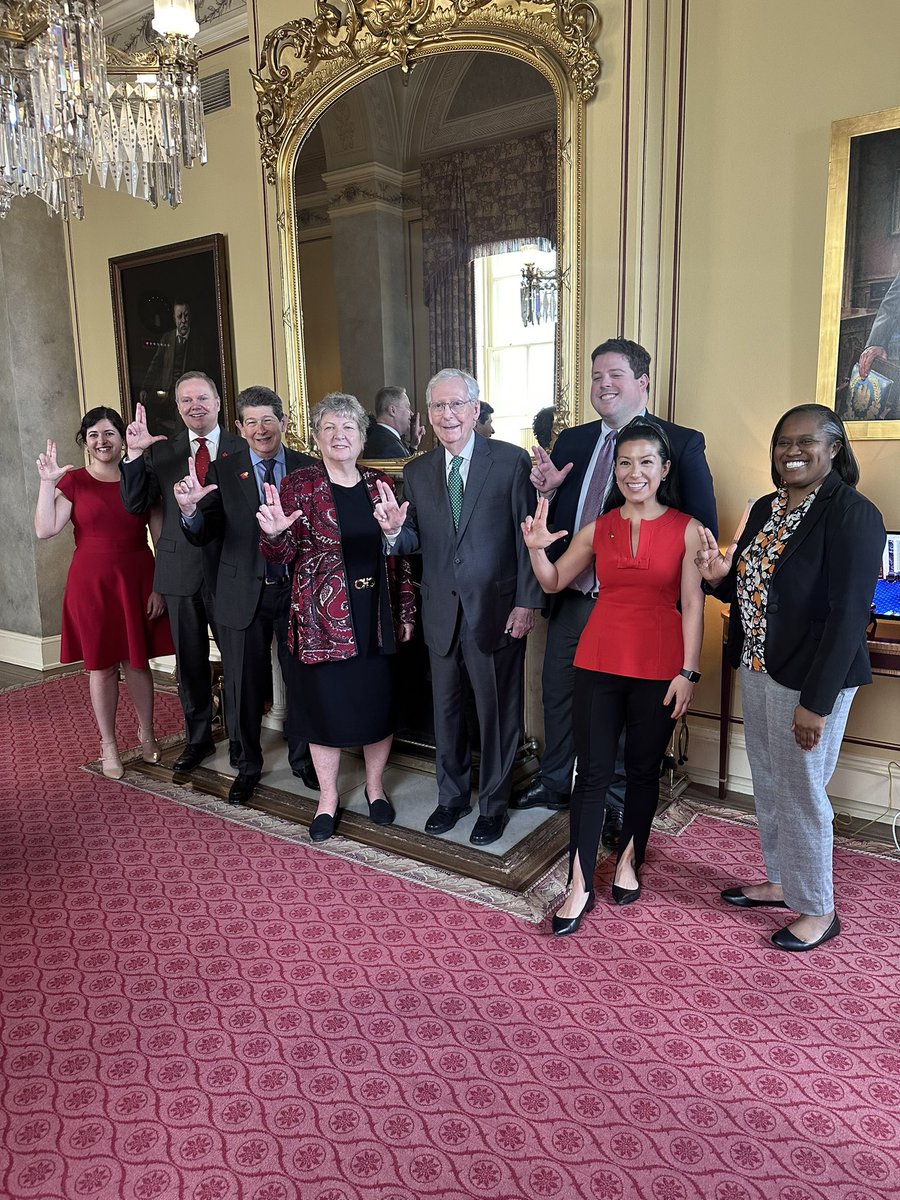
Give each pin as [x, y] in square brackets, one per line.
[252, 597]
[185, 575]
[465, 503]
[397, 430]
[575, 479]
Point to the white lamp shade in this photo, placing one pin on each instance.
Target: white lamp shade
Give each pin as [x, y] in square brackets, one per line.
[175, 17]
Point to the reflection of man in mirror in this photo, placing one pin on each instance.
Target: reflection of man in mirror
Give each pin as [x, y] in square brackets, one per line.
[397, 430]
[485, 423]
[179, 350]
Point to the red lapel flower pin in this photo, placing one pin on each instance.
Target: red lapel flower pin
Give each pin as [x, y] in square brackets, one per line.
[245, 474]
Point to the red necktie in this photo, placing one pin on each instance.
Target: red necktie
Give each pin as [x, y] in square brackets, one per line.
[201, 461]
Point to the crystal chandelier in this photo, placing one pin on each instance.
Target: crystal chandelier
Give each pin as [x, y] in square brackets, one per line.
[538, 291]
[72, 108]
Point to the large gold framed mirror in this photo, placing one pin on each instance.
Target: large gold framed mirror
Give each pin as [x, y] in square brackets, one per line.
[388, 125]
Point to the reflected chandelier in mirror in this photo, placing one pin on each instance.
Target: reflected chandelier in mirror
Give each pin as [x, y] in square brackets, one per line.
[308, 65]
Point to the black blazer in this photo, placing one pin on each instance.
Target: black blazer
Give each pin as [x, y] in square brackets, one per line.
[180, 567]
[229, 515]
[690, 471]
[820, 595]
[381, 443]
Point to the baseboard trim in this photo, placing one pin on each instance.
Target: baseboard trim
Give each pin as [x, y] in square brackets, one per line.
[25, 650]
[860, 786]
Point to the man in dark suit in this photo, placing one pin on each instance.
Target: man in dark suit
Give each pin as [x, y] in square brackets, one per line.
[184, 575]
[397, 431]
[575, 478]
[252, 597]
[465, 502]
[180, 350]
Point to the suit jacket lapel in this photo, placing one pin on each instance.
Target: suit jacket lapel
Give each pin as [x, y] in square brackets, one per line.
[479, 467]
[439, 484]
[816, 512]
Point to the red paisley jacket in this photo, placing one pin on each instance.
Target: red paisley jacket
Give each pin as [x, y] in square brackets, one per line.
[320, 629]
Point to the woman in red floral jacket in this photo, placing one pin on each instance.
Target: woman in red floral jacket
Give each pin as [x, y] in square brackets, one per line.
[350, 606]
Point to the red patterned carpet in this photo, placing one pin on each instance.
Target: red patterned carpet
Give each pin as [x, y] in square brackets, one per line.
[193, 1010]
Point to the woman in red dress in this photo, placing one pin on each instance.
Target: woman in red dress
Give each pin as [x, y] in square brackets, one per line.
[638, 657]
[111, 615]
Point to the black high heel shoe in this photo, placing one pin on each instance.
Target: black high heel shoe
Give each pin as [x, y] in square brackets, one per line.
[563, 926]
[625, 895]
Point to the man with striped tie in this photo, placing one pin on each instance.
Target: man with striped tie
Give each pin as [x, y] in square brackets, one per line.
[465, 502]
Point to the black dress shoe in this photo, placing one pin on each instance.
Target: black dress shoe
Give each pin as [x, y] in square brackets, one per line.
[736, 897]
[323, 826]
[536, 795]
[563, 926]
[192, 755]
[625, 895]
[242, 788]
[443, 818]
[785, 940]
[488, 829]
[381, 811]
[612, 828]
[307, 776]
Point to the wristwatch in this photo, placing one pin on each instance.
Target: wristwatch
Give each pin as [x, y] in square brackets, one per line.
[690, 676]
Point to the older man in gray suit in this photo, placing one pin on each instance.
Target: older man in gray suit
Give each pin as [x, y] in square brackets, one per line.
[465, 502]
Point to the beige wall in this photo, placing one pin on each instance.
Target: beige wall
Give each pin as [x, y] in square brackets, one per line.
[764, 81]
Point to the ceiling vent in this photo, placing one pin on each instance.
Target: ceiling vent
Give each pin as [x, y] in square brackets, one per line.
[215, 92]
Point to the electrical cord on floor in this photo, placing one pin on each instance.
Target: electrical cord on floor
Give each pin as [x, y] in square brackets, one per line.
[845, 818]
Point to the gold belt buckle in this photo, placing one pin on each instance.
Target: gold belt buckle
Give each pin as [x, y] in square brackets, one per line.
[366, 582]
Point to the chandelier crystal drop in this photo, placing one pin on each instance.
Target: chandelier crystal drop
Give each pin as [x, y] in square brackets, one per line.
[539, 294]
[72, 108]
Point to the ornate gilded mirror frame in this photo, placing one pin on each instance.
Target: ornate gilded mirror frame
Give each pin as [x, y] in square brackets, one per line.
[306, 65]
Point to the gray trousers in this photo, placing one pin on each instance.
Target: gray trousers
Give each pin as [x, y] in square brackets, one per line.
[792, 807]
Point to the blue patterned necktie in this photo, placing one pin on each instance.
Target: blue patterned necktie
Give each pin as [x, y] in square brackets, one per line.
[273, 570]
[455, 489]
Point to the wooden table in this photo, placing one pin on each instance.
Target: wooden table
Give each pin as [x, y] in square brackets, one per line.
[884, 653]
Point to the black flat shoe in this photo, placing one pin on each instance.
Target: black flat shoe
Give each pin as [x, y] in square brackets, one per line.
[488, 829]
[536, 795]
[307, 776]
[444, 818]
[563, 926]
[625, 895]
[381, 811]
[785, 940]
[736, 897]
[242, 788]
[192, 756]
[323, 826]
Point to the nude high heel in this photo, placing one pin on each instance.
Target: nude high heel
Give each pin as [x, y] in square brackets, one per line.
[110, 762]
[150, 748]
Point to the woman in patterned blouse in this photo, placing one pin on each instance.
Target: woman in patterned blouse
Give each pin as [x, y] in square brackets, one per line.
[800, 578]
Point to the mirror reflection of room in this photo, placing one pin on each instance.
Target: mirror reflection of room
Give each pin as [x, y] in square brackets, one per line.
[420, 205]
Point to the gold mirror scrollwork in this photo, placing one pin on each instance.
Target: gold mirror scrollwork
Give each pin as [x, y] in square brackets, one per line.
[308, 64]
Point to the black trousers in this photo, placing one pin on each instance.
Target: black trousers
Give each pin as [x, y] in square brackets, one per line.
[604, 705]
[496, 685]
[189, 619]
[246, 659]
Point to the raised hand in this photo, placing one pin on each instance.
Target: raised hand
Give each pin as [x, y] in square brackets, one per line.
[534, 529]
[48, 468]
[713, 563]
[388, 513]
[416, 430]
[545, 477]
[272, 518]
[137, 436]
[189, 493]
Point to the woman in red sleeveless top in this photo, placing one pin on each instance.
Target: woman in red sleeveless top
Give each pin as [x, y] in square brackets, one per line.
[638, 657]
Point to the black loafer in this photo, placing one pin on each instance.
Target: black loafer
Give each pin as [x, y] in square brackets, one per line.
[736, 897]
[785, 940]
[536, 795]
[612, 828]
[242, 788]
[563, 926]
[323, 826]
[488, 829]
[381, 811]
[192, 756]
[443, 818]
[307, 776]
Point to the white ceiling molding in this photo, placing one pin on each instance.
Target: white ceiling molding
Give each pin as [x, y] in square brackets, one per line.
[119, 15]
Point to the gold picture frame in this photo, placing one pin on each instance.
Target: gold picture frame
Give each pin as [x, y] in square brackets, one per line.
[861, 280]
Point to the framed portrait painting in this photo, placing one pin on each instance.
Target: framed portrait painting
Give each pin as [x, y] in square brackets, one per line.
[859, 342]
[172, 315]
